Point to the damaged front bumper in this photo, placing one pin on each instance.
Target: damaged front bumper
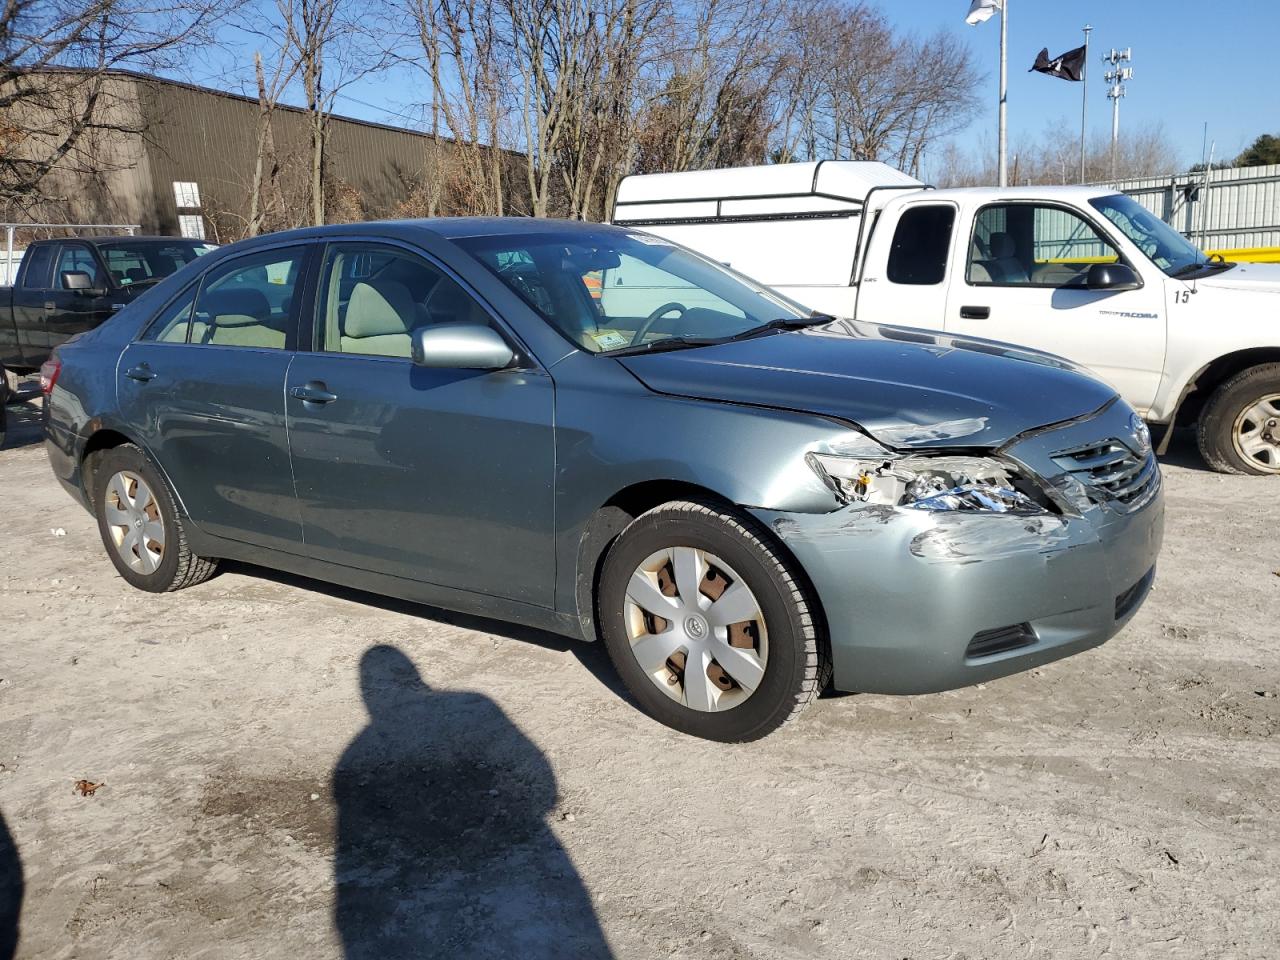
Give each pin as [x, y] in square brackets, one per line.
[918, 602]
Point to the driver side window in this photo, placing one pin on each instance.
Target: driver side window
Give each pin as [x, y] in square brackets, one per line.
[375, 297]
[1031, 245]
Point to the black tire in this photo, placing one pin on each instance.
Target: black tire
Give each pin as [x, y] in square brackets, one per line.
[799, 661]
[1216, 428]
[178, 566]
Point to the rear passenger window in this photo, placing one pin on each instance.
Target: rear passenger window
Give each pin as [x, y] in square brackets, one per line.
[921, 244]
[39, 262]
[248, 302]
[375, 297]
[171, 325]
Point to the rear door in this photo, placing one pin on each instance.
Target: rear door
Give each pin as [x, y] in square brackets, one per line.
[30, 298]
[909, 267]
[1024, 282]
[441, 476]
[205, 386]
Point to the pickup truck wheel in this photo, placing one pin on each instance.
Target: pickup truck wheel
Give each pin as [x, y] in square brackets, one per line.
[1239, 429]
[141, 528]
[707, 625]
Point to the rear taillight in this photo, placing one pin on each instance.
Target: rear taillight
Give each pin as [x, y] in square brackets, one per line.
[49, 371]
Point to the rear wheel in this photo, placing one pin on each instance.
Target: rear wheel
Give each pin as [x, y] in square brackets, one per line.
[708, 626]
[1239, 429]
[140, 525]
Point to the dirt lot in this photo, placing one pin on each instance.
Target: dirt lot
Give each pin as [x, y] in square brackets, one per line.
[290, 767]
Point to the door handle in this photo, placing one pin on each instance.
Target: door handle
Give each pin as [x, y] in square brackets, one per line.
[142, 373]
[50, 305]
[313, 392]
[975, 313]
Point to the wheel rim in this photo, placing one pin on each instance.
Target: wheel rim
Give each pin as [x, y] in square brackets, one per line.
[696, 629]
[134, 521]
[1256, 433]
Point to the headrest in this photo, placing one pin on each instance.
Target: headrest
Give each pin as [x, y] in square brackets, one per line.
[236, 308]
[378, 311]
[1002, 246]
[136, 274]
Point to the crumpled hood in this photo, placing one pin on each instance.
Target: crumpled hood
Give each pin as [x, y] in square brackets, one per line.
[905, 387]
[1251, 277]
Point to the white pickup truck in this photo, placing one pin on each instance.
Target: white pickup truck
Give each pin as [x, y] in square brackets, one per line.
[1081, 272]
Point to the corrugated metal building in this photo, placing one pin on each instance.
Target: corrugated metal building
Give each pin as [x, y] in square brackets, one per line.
[181, 158]
[1240, 209]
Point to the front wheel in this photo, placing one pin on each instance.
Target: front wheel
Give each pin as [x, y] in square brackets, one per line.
[140, 525]
[708, 625]
[1239, 429]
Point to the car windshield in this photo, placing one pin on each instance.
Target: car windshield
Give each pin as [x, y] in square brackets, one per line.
[1166, 247]
[609, 290]
[149, 261]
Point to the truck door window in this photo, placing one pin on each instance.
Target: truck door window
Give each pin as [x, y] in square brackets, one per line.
[39, 260]
[921, 242]
[1031, 245]
[77, 258]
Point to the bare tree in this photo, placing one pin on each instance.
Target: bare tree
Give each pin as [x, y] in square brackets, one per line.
[56, 97]
[861, 91]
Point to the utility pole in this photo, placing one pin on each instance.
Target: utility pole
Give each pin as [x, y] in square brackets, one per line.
[1084, 99]
[1117, 76]
[1004, 94]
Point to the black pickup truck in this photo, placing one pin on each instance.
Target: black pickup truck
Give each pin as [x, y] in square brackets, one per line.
[70, 285]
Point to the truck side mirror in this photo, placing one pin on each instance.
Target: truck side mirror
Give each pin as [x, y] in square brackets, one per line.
[81, 283]
[1113, 277]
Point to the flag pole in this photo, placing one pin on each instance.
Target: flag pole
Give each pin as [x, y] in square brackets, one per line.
[1003, 161]
[1084, 98]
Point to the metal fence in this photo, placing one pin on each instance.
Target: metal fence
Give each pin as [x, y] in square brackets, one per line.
[1236, 209]
[23, 233]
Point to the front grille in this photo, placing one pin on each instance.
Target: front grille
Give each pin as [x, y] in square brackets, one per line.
[1129, 600]
[986, 643]
[1112, 468]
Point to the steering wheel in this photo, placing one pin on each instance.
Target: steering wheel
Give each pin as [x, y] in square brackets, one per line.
[653, 318]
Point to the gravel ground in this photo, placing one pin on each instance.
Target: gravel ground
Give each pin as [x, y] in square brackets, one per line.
[289, 768]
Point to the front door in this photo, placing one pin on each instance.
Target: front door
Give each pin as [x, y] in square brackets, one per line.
[74, 311]
[206, 383]
[1024, 283]
[441, 476]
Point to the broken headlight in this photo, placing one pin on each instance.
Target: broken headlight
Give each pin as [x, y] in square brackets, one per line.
[943, 483]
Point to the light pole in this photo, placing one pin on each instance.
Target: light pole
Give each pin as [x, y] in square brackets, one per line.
[1003, 136]
[1084, 98]
[1117, 76]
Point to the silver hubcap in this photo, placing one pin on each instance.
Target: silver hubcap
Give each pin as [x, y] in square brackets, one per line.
[133, 517]
[696, 629]
[1257, 433]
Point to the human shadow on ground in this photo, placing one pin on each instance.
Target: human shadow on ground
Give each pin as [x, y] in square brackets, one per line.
[11, 888]
[443, 847]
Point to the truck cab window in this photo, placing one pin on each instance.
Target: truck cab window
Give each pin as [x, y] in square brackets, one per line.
[921, 244]
[1030, 245]
[38, 261]
[77, 258]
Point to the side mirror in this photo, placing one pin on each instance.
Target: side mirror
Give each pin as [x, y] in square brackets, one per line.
[1112, 276]
[461, 346]
[81, 283]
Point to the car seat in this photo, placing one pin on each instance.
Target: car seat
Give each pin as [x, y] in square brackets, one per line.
[378, 319]
[236, 317]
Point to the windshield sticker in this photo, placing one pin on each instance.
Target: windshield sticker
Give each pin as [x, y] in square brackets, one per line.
[610, 340]
[646, 239]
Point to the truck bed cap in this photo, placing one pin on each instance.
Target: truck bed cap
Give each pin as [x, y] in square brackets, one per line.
[792, 187]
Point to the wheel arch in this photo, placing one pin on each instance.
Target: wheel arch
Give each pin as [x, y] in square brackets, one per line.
[613, 516]
[99, 441]
[1211, 376]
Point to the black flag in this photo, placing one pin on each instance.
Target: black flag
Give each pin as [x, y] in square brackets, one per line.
[1069, 66]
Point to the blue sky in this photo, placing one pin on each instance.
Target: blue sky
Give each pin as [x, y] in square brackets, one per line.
[1193, 61]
